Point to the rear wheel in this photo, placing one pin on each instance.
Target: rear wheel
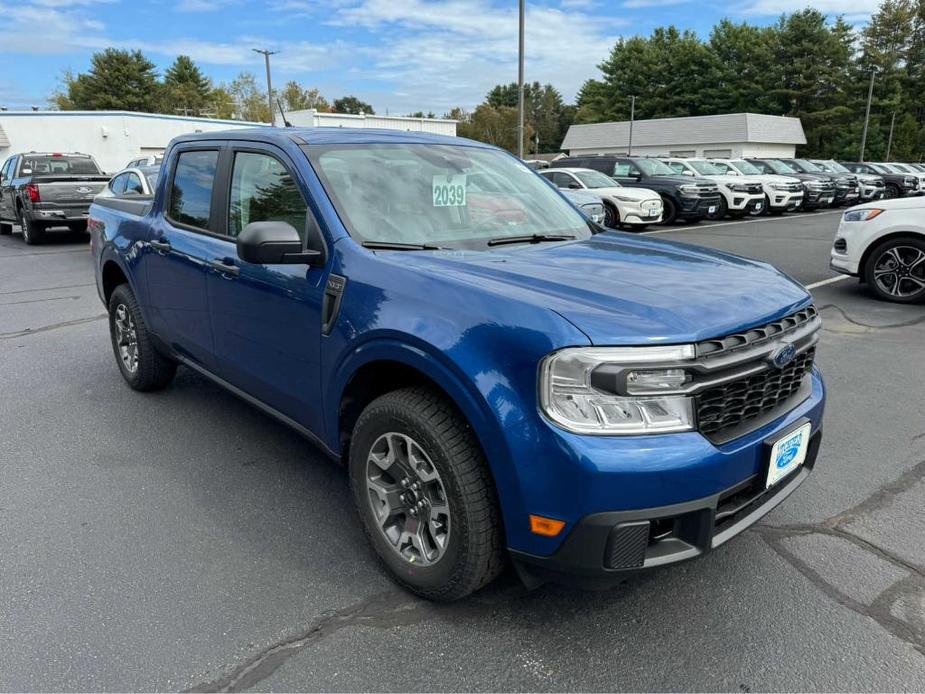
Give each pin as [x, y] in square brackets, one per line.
[141, 365]
[33, 233]
[895, 271]
[425, 495]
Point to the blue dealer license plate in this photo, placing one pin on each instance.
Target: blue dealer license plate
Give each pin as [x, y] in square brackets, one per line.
[787, 454]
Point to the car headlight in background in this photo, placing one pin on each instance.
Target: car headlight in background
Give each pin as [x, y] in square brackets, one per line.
[813, 185]
[617, 390]
[689, 190]
[737, 187]
[787, 187]
[864, 215]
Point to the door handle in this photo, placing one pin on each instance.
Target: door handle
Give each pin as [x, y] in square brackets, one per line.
[161, 247]
[225, 267]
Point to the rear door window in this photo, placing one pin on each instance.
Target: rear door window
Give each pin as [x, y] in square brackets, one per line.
[191, 188]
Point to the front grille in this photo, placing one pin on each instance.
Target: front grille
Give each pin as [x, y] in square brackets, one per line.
[755, 336]
[735, 402]
[651, 204]
[754, 188]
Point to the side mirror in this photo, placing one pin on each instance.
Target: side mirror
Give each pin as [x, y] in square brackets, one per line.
[687, 172]
[574, 185]
[274, 243]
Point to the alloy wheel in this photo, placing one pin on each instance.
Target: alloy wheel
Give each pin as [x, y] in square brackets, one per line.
[126, 338]
[900, 271]
[408, 499]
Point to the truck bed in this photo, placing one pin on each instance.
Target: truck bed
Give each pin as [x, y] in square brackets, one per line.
[136, 205]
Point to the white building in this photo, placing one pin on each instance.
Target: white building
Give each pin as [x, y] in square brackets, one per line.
[114, 138]
[311, 118]
[731, 135]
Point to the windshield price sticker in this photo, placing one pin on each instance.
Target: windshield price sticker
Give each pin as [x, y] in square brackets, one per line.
[449, 191]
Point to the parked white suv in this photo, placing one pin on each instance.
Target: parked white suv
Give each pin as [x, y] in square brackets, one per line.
[634, 208]
[781, 193]
[740, 195]
[883, 243]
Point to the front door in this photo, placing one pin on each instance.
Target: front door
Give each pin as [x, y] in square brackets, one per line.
[175, 260]
[267, 318]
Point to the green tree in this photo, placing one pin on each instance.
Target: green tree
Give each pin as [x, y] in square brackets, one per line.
[294, 97]
[495, 126]
[351, 104]
[248, 100]
[117, 80]
[186, 89]
[421, 114]
[544, 110]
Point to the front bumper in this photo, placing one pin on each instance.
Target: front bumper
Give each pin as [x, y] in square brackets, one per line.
[871, 192]
[814, 199]
[697, 207]
[747, 202]
[643, 212]
[604, 548]
[784, 200]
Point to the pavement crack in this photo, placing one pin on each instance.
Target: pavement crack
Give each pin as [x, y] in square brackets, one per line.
[53, 326]
[38, 301]
[382, 611]
[868, 326]
[48, 289]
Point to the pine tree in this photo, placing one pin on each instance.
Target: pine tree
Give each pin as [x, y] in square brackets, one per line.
[186, 89]
[117, 80]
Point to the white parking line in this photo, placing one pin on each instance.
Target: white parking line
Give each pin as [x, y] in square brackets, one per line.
[831, 280]
[697, 227]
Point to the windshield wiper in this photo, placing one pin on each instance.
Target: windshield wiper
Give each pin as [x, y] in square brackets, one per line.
[529, 238]
[395, 246]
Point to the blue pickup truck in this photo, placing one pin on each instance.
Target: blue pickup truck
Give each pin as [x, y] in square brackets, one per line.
[504, 380]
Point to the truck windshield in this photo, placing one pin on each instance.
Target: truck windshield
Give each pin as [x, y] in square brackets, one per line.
[61, 164]
[704, 167]
[654, 167]
[780, 167]
[746, 168]
[440, 195]
[595, 179]
[807, 166]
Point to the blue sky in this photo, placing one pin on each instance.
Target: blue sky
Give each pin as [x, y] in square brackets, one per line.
[398, 55]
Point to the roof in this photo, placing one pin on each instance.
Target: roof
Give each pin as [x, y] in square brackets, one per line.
[693, 130]
[364, 116]
[333, 136]
[547, 156]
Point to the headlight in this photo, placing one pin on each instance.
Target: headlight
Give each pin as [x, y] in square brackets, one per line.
[737, 187]
[909, 181]
[781, 186]
[864, 215]
[689, 190]
[617, 390]
[813, 185]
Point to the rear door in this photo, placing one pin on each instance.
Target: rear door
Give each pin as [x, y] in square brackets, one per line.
[7, 210]
[267, 318]
[183, 242]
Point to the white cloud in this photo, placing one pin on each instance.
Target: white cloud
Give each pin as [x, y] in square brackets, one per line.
[637, 4]
[855, 8]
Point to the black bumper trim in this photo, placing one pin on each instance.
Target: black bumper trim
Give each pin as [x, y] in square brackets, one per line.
[597, 541]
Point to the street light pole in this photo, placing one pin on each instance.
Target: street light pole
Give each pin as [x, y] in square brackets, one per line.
[520, 86]
[889, 144]
[629, 149]
[266, 56]
[870, 96]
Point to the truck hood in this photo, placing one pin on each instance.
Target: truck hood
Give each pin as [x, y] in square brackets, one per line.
[727, 179]
[623, 289]
[627, 193]
[774, 178]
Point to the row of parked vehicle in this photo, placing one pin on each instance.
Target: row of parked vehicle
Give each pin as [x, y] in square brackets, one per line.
[634, 192]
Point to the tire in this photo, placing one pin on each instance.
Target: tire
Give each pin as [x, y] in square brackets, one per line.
[5, 229]
[33, 233]
[891, 191]
[669, 211]
[906, 256]
[473, 551]
[152, 370]
[722, 209]
[611, 217]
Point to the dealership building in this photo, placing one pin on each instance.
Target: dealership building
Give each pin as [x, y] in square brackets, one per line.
[730, 135]
[114, 138]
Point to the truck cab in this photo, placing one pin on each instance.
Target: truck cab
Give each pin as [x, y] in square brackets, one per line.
[503, 380]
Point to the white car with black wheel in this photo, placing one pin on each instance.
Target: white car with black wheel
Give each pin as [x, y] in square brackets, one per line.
[781, 193]
[624, 207]
[883, 244]
[740, 195]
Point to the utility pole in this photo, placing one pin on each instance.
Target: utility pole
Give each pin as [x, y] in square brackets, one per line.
[520, 86]
[266, 56]
[870, 96]
[629, 149]
[889, 144]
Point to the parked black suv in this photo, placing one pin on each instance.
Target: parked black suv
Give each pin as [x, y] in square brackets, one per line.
[847, 190]
[684, 197]
[897, 185]
[818, 188]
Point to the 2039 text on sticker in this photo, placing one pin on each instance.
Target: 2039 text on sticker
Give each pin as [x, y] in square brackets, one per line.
[449, 191]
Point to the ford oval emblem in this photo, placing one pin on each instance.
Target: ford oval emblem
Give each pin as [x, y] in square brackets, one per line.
[84, 189]
[783, 355]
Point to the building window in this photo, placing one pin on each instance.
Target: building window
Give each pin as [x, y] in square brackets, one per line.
[717, 154]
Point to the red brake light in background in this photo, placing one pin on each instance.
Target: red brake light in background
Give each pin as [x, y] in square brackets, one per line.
[33, 191]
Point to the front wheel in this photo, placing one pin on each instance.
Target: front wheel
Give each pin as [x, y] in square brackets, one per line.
[141, 365]
[425, 496]
[895, 271]
[669, 211]
[891, 191]
[611, 217]
[722, 209]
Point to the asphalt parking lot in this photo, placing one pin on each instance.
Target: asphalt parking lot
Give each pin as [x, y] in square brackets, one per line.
[183, 540]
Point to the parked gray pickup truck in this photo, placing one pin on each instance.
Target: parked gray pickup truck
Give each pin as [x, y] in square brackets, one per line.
[40, 190]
